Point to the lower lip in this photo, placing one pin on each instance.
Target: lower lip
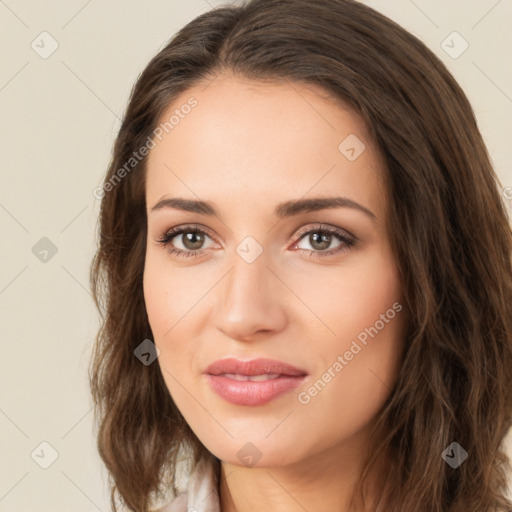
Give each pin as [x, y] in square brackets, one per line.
[252, 393]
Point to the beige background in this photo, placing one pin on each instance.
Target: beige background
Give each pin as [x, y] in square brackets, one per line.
[59, 119]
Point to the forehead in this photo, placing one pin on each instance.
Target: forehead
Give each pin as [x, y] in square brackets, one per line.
[263, 142]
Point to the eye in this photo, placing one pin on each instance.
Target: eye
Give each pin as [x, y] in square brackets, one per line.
[185, 241]
[188, 241]
[321, 238]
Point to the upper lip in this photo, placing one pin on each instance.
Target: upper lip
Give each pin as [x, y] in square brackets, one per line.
[253, 367]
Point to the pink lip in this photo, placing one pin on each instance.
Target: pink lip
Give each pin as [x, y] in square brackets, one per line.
[250, 392]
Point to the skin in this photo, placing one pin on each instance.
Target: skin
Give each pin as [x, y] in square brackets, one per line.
[246, 147]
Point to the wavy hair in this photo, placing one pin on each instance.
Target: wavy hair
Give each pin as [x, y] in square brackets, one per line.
[450, 233]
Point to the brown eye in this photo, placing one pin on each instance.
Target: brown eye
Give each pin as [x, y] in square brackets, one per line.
[320, 240]
[186, 241]
[192, 240]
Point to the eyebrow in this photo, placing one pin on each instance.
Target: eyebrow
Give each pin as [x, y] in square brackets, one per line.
[286, 209]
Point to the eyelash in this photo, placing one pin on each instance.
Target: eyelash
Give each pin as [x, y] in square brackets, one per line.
[347, 241]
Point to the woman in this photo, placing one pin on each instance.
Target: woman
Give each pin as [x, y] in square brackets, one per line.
[304, 268]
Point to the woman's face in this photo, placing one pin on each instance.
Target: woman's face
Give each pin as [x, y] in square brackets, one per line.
[267, 271]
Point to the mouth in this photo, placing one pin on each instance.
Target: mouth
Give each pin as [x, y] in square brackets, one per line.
[254, 367]
[252, 383]
[251, 378]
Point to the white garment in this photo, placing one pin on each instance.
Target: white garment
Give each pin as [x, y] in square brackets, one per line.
[201, 495]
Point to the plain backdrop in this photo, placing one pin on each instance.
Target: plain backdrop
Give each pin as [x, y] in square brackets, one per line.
[60, 113]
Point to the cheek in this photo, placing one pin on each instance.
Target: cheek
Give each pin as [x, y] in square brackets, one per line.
[170, 294]
[343, 302]
[358, 364]
[163, 303]
[174, 308]
[369, 294]
[373, 320]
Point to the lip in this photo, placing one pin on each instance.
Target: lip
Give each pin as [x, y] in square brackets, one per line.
[252, 393]
[253, 367]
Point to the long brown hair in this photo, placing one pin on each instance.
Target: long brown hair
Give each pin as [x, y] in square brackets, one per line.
[449, 231]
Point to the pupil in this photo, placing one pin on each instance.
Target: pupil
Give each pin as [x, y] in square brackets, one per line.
[193, 240]
[323, 240]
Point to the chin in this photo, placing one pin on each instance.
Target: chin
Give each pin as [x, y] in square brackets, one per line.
[256, 453]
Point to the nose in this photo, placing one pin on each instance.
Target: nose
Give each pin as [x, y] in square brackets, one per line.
[248, 301]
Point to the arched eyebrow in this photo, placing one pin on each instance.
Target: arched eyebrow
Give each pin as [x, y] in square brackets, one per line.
[296, 207]
[286, 209]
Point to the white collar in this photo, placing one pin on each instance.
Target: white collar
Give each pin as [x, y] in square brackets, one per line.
[201, 495]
